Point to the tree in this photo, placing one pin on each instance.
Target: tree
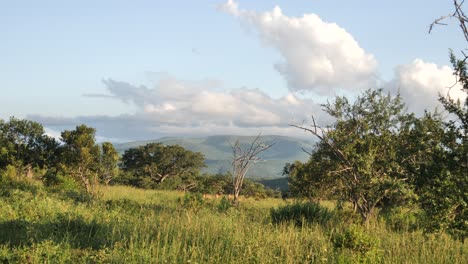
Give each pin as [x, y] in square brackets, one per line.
[310, 179]
[215, 184]
[80, 157]
[158, 162]
[243, 159]
[444, 194]
[109, 163]
[361, 150]
[24, 145]
[438, 178]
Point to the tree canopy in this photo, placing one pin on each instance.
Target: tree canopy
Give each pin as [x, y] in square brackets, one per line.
[159, 162]
[361, 148]
[80, 156]
[23, 144]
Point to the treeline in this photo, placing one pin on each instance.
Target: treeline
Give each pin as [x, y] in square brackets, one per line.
[77, 160]
[379, 158]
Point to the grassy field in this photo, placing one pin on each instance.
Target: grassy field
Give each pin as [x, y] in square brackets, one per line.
[129, 225]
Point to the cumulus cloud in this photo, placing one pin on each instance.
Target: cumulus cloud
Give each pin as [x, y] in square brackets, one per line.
[190, 108]
[318, 56]
[420, 84]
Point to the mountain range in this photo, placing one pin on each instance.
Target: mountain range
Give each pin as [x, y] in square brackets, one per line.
[218, 152]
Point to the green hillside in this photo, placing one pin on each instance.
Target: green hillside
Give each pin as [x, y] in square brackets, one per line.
[218, 152]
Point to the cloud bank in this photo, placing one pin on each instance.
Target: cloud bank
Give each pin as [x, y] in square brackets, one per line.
[318, 56]
[177, 107]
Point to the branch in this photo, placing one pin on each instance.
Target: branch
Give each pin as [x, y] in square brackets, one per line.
[332, 146]
[457, 14]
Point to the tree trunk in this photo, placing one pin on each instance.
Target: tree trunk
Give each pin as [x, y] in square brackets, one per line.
[29, 172]
[366, 213]
[236, 194]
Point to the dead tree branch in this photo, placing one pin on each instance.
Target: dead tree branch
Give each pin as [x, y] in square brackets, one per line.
[243, 159]
[458, 14]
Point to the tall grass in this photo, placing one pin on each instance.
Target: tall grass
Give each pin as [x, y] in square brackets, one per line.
[145, 226]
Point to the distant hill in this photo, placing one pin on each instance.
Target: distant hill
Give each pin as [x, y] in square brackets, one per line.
[218, 152]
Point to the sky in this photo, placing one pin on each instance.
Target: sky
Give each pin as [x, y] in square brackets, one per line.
[148, 69]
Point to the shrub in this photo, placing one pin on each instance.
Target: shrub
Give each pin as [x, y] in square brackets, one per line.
[192, 201]
[401, 220]
[354, 238]
[301, 213]
[224, 205]
[126, 204]
[58, 181]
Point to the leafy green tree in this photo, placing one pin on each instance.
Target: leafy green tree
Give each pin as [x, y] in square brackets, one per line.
[361, 150]
[253, 189]
[309, 180]
[80, 157]
[442, 187]
[214, 184]
[24, 145]
[109, 163]
[157, 162]
[444, 194]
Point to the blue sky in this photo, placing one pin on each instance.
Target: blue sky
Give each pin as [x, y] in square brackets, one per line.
[64, 63]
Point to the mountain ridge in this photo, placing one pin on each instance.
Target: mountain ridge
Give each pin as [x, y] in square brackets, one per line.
[218, 152]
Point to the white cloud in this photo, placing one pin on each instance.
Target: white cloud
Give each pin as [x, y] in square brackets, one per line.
[318, 56]
[192, 108]
[420, 84]
[52, 133]
[186, 102]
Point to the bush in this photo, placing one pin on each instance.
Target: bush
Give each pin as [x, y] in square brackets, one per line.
[355, 239]
[9, 174]
[301, 213]
[192, 201]
[273, 193]
[400, 220]
[224, 205]
[8, 183]
[58, 181]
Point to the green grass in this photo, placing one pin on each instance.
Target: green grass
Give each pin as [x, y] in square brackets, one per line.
[129, 225]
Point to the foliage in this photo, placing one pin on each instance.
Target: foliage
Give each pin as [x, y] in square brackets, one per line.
[444, 194]
[192, 201]
[224, 205]
[132, 225]
[9, 174]
[80, 157]
[437, 172]
[24, 145]
[357, 240]
[157, 162]
[221, 184]
[401, 219]
[109, 163]
[309, 179]
[358, 154]
[214, 184]
[301, 213]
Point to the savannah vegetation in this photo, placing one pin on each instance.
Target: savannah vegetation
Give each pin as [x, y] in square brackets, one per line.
[381, 186]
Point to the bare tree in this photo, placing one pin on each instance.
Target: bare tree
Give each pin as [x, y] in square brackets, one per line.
[458, 14]
[243, 159]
